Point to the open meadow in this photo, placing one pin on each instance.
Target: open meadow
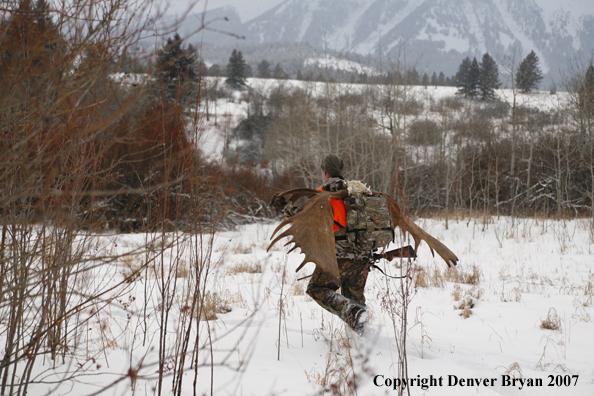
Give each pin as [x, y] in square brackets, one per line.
[519, 306]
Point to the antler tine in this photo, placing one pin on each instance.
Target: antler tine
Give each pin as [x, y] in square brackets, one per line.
[311, 231]
[407, 225]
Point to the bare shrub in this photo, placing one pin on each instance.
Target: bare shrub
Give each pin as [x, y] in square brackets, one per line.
[424, 132]
[466, 299]
[493, 109]
[451, 102]
[474, 128]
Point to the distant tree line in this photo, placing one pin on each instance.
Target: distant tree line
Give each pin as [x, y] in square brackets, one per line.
[479, 80]
[237, 71]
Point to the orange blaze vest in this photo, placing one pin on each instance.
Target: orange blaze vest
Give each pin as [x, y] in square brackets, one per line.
[339, 212]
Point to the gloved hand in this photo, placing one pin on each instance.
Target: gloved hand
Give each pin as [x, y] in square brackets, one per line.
[278, 203]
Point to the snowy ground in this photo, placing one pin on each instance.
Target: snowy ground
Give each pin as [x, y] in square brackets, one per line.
[528, 271]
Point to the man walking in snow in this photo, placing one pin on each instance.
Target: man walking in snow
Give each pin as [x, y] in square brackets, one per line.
[353, 265]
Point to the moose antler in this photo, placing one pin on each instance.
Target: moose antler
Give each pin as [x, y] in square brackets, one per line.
[311, 230]
[400, 219]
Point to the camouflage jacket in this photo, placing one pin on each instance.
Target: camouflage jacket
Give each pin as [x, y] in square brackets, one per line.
[343, 249]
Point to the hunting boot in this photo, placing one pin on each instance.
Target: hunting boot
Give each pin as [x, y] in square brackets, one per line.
[359, 319]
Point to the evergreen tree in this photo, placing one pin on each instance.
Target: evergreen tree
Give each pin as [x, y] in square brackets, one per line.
[425, 80]
[434, 79]
[264, 69]
[462, 77]
[473, 79]
[467, 78]
[586, 94]
[441, 80]
[411, 77]
[248, 70]
[279, 73]
[489, 77]
[215, 71]
[236, 70]
[177, 69]
[529, 74]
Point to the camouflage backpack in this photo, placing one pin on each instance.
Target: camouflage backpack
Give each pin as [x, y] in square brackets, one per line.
[369, 224]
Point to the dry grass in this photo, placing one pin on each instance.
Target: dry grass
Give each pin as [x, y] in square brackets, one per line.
[214, 304]
[552, 322]
[159, 244]
[514, 295]
[130, 263]
[246, 267]
[514, 371]
[298, 288]
[424, 278]
[182, 270]
[458, 275]
[241, 248]
[131, 267]
[338, 376]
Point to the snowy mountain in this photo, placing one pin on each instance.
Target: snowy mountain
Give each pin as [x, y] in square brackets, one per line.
[434, 34]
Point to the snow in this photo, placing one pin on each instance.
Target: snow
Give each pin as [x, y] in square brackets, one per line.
[339, 64]
[527, 268]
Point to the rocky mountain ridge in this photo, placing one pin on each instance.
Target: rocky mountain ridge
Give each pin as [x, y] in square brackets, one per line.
[435, 35]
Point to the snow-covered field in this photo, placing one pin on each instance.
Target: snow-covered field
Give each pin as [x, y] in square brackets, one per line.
[530, 271]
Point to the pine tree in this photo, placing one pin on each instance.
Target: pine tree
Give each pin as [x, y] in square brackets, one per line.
[177, 69]
[264, 69]
[462, 77]
[473, 78]
[278, 73]
[441, 80]
[586, 93]
[434, 79]
[529, 74]
[215, 71]
[425, 80]
[411, 77]
[467, 78]
[489, 77]
[236, 70]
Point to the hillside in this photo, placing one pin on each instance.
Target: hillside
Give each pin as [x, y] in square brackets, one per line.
[434, 34]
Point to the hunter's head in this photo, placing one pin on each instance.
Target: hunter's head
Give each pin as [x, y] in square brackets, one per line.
[332, 166]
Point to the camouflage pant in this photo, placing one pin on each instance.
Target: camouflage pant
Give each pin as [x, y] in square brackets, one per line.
[353, 276]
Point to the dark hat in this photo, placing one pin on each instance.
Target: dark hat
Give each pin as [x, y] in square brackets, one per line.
[332, 164]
